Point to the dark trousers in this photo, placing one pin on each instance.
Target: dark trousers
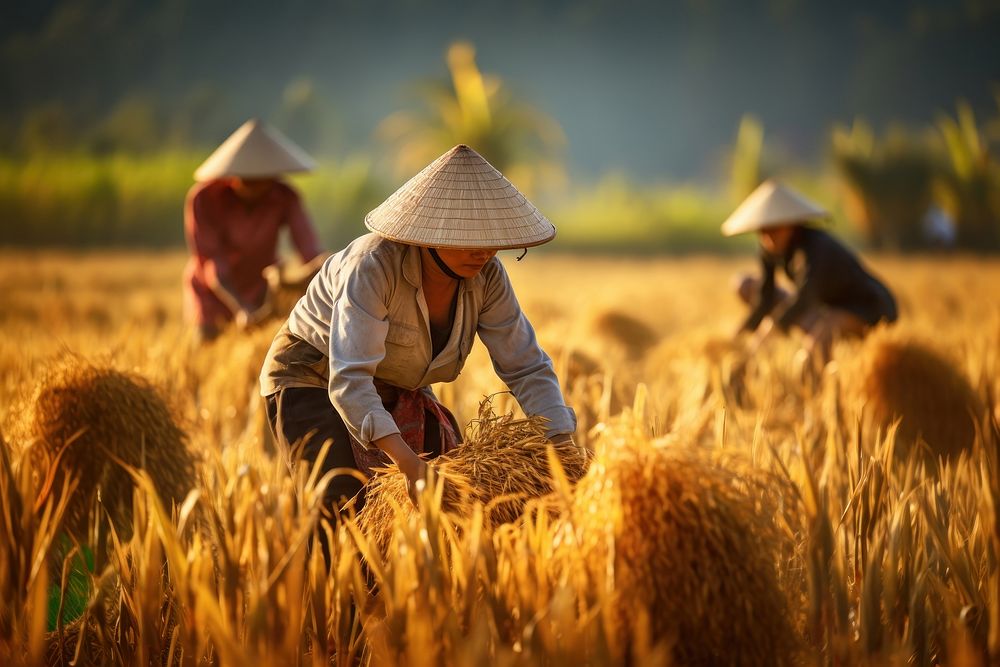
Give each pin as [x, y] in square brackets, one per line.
[302, 419]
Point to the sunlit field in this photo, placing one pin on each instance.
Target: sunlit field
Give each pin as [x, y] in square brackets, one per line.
[737, 510]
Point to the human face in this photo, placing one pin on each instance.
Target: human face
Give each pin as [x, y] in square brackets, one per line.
[775, 240]
[466, 262]
[252, 189]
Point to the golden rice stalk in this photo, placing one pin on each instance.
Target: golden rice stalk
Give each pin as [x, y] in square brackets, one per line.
[633, 336]
[907, 379]
[90, 422]
[574, 366]
[688, 544]
[503, 464]
[593, 391]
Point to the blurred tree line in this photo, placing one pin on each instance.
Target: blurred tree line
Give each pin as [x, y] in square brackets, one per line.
[123, 180]
[170, 73]
[109, 106]
[140, 123]
[936, 187]
[893, 188]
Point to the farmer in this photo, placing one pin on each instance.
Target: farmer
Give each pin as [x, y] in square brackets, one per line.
[834, 295]
[396, 311]
[232, 218]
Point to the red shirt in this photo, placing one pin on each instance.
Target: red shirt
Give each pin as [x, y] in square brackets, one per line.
[232, 240]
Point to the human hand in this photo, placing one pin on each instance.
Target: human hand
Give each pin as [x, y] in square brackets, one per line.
[262, 313]
[761, 336]
[562, 439]
[412, 466]
[247, 316]
[417, 478]
[242, 319]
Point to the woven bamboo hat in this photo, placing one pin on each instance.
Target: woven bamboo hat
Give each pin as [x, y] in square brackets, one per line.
[771, 205]
[460, 201]
[254, 151]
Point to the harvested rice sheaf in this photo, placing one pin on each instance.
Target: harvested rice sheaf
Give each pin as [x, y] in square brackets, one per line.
[907, 379]
[503, 464]
[688, 541]
[632, 335]
[90, 422]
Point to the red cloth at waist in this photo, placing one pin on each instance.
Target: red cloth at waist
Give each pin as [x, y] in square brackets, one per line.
[409, 409]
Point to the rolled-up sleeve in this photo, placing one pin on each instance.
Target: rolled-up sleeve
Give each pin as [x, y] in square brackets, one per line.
[765, 298]
[517, 358]
[358, 326]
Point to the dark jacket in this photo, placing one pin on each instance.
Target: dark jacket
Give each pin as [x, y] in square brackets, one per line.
[825, 273]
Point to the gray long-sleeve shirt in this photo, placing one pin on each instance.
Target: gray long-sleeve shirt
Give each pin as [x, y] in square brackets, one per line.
[365, 311]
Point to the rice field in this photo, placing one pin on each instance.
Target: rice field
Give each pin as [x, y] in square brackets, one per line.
[724, 509]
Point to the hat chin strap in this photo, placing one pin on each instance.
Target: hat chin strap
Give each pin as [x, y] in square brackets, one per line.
[444, 267]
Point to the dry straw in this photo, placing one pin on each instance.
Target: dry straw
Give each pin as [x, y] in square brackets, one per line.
[907, 379]
[503, 464]
[93, 423]
[687, 542]
[64, 645]
[590, 387]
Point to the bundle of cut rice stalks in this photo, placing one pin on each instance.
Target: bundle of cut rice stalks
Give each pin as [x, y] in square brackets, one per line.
[91, 423]
[502, 464]
[54, 598]
[906, 379]
[686, 547]
[629, 334]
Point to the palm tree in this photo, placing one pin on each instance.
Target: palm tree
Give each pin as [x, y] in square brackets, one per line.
[971, 179]
[889, 183]
[477, 110]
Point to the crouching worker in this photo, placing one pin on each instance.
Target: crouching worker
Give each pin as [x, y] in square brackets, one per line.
[398, 310]
[834, 295]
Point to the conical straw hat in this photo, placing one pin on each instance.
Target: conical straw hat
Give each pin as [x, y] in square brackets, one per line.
[771, 205]
[460, 201]
[254, 151]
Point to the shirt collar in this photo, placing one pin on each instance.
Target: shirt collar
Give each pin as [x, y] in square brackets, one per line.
[412, 270]
[411, 266]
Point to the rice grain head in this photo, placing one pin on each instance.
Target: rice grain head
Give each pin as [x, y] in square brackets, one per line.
[87, 421]
[687, 540]
[502, 465]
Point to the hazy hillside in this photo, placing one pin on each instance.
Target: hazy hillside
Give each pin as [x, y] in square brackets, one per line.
[654, 88]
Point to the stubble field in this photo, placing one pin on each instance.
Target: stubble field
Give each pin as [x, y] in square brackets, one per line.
[737, 510]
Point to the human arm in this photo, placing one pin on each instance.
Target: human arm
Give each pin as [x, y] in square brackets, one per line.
[765, 298]
[358, 328]
[412, 466]
[812, 271]
[517, 358]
